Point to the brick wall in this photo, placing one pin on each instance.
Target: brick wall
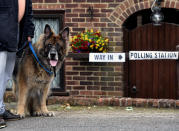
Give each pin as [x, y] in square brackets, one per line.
[84, 79]
[93, 79]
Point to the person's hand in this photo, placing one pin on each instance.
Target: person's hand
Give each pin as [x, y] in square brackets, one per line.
[29, 39]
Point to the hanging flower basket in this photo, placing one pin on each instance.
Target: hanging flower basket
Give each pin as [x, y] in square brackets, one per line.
[89, 41]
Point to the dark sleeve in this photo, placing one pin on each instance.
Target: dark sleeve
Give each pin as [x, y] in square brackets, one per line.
[28, 24]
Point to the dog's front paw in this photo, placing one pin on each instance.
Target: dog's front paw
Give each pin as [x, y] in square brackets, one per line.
[37, 113]
[48, 114]
[21, 115]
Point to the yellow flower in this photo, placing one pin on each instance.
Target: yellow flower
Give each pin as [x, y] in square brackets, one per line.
[91, 46]
[100, 49]
[98, 41]
[86, 37]
[91, 30]
[75, 37]
[90, 40]
[104, 51]
[106, 40]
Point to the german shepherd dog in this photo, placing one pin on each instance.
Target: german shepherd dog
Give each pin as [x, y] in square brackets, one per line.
[32, 82]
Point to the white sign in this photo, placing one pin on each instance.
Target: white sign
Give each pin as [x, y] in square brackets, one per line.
[107, 57]
[149, 55]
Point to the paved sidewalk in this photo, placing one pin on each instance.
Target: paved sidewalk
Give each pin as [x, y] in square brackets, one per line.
[100, 119]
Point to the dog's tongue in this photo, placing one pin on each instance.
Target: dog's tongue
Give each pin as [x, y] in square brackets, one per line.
[53, 63]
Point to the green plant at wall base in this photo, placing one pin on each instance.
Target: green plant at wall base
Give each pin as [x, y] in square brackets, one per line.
[89, 41]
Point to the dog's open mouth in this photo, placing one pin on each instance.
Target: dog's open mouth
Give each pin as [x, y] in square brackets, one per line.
[53, 57]
[53, 63]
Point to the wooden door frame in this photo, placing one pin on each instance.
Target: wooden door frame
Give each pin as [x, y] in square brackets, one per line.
[126, 64]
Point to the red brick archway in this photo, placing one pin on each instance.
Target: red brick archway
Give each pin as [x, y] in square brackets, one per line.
[128, 7]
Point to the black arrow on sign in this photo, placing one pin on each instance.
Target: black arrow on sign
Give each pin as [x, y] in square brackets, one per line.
[120, 57]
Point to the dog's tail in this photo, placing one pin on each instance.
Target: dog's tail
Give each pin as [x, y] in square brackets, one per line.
[15, 75]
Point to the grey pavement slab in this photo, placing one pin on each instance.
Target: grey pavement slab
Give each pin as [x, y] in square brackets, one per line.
[100, 119]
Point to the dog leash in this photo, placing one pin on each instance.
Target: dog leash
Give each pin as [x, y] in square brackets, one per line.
[33, 51]
[23, 46]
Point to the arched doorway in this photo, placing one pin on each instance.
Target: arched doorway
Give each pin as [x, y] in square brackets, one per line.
[154, 78]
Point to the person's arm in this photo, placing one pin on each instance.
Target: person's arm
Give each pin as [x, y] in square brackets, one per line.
[28, 24]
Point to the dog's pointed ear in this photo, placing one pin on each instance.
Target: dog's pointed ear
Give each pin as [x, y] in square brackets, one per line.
[47, 30]
[65, 33]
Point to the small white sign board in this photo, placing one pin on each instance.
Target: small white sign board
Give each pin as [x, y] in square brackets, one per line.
[152, 55]
[107, 57]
